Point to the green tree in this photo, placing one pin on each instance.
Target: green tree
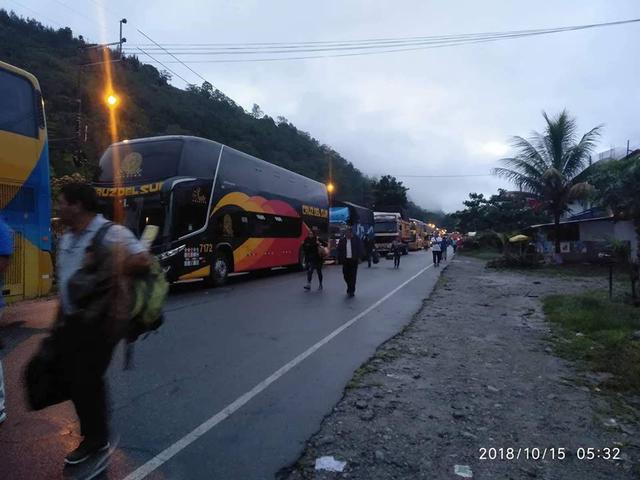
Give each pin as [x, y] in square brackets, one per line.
[546, 165]
[504, 212]
[389, 191]
[617, 186]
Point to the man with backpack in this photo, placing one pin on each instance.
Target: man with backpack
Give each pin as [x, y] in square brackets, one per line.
[96, 262]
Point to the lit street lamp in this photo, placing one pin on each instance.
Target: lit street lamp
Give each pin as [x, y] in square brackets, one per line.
[112, 100]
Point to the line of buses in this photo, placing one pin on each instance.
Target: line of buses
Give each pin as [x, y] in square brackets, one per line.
[217, 210]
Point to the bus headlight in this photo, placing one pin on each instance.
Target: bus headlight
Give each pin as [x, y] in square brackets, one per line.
[170, 253]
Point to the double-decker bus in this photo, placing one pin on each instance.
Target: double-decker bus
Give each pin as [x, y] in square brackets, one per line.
[25, 196]
[218, 210]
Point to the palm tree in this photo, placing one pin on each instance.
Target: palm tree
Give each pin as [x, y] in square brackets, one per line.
[547, 165]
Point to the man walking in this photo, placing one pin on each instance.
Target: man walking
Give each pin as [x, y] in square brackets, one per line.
[436, 250]
[6, 250]
[349, 253]
[444, 246]
[93, 311]
[311, 247]
[396, 250]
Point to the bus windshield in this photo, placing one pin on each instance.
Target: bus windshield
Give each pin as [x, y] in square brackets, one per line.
[386, 227]
[140, 212]
[140, 162]
[17, 105]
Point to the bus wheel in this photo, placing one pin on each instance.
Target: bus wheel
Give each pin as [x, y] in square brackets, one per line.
[220, 269]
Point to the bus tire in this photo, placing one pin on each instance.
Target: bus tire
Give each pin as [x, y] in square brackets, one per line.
[220, 269]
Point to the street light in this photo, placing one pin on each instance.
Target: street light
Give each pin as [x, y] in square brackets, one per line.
[112, 100]
[330, 187]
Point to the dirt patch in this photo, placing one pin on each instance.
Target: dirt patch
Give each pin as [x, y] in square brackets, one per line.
[475, 370]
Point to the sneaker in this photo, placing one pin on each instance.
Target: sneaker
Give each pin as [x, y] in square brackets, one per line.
[307, 286]
[3, 416]
[84, 451]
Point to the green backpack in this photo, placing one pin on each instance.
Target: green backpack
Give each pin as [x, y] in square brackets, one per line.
[149, 294]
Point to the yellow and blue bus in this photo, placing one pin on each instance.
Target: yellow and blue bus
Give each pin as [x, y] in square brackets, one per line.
[25, 196]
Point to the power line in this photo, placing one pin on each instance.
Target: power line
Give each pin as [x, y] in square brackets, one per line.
[158, 61]
[393, 39]
[446, 176]
[180, 61]
[75, 11]
[36, 12]
[426, 43]
[378, 43]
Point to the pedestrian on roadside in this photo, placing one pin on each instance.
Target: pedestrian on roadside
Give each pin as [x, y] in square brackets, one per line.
[368, 249]
[436, 246]
[313, 258]
[454, 244]
[349, 254]
[396, 250]
[87, 335]
[6, 250]
[444, 247]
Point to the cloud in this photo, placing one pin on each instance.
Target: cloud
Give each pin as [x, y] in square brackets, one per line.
[439, 111]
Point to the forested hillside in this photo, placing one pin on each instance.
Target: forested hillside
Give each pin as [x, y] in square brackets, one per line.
[150, 106]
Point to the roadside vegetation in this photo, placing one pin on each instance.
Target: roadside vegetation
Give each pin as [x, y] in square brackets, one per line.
[602, 333]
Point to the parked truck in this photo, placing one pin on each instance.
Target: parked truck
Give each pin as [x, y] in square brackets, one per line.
[343, 215]
[388, 226]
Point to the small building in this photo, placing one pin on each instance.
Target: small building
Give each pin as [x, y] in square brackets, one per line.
[584, 236]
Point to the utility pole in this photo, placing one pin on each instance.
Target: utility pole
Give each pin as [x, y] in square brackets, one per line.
[82, 133]
[122, 39]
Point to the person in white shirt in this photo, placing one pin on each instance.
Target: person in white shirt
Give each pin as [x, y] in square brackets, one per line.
[349, 254]
[436, 249]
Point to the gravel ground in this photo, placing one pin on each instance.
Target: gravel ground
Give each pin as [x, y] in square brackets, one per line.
[475, 370]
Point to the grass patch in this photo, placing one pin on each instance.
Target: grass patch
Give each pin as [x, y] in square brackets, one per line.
[604, 337]
[620, 273]
[358, 376]
[479, 253]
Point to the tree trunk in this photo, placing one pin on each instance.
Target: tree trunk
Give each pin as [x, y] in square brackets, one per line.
[556, 221]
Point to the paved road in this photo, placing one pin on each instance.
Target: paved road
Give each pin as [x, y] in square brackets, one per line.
[216, 346]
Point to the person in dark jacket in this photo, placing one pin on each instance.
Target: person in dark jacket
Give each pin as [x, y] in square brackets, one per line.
[396, 250]
[313, 260]
[367, 243]
[349, 254]
[87, 334]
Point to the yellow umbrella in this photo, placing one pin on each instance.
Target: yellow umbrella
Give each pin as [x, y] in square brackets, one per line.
[519, 238]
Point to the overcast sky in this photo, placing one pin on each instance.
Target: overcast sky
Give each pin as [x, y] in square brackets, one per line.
[438, 111]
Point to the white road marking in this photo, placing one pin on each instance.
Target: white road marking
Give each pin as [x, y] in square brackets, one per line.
[164, 456]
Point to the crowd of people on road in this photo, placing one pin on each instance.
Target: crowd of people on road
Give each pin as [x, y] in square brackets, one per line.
[97, 262]
[351, 249]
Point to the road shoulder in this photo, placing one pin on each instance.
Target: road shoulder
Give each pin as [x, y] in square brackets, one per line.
[474, 370]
